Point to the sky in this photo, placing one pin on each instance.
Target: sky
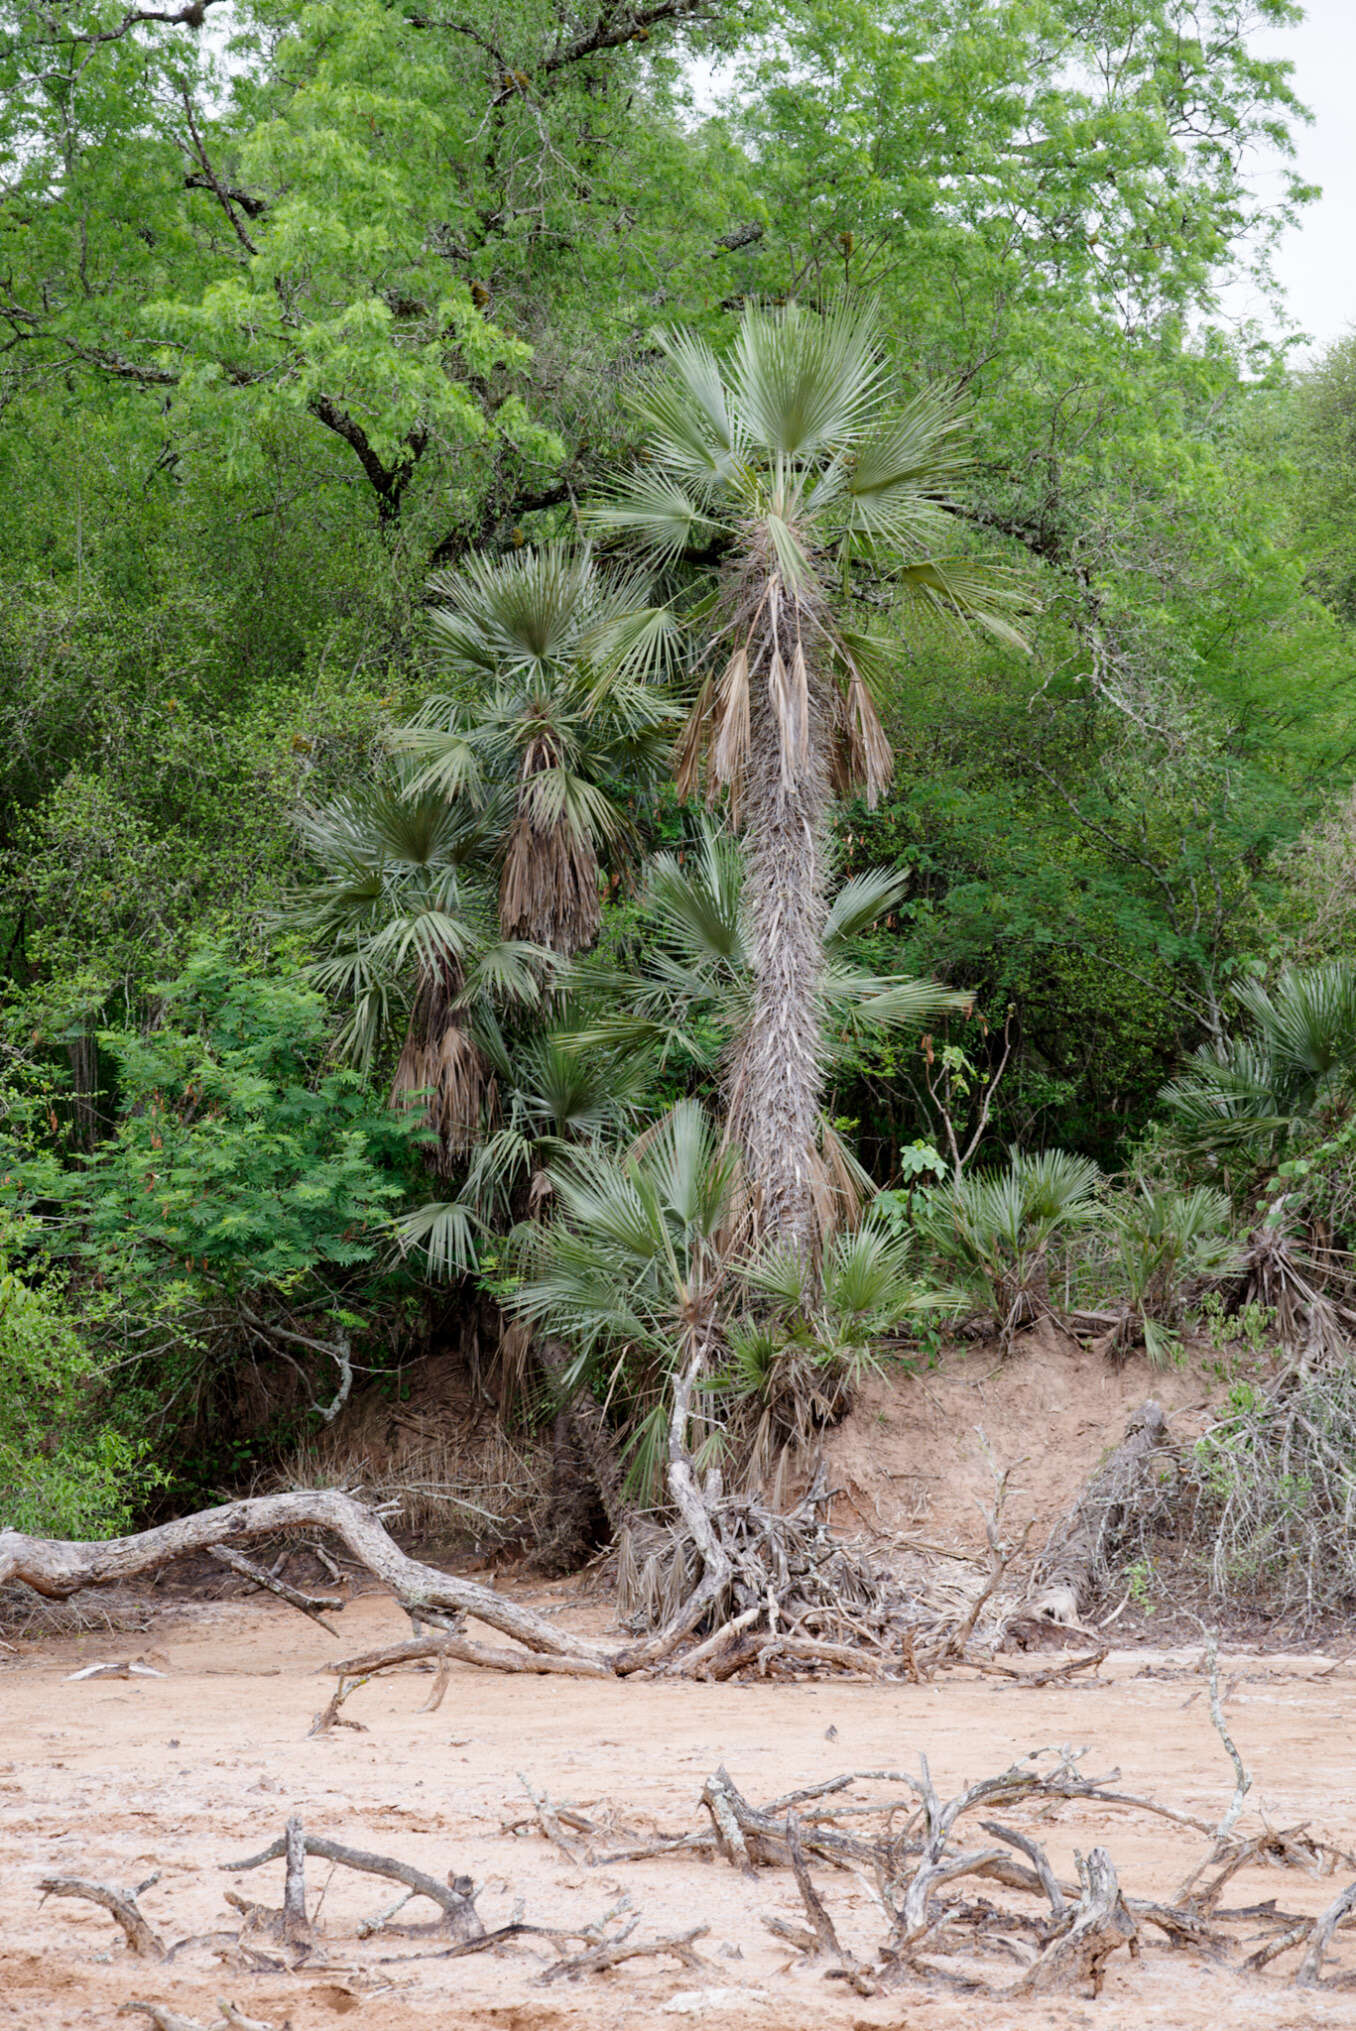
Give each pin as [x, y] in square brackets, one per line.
[1316, 263]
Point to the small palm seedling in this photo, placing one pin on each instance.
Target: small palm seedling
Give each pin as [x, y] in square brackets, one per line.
[1000, 1231]
[642, 1270]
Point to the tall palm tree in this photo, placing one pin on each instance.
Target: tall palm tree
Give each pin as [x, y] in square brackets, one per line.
[407, 934]
[688, 998]
[794, 457]
[552, 722]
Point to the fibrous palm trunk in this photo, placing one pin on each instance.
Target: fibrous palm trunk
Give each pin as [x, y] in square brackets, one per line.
[777, 1068]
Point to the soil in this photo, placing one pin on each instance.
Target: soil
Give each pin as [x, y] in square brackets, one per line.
[117, 1778]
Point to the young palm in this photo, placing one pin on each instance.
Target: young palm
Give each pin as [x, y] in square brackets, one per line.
[641, 1274]
[794, 456]
[1258, 1086]
[552, 723]
[408, 935]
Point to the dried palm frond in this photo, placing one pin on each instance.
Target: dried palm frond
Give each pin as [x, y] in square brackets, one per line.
[442, 1066]
[548, 891]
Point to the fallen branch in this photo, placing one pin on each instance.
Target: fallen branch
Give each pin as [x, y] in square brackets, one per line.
[460, 1650]
[611, 1953]
[314, 1606]
[57, 1568]
[1309, 1973]
[454, 1898]
[119, 1904]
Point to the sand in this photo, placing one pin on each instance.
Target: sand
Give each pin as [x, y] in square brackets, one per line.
[117, 1778]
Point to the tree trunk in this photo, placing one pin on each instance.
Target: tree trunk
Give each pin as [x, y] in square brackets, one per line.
[777, 1073]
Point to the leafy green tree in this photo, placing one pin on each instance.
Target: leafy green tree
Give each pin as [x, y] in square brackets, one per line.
[795, 456]
[66, 1466]
[241, 1197]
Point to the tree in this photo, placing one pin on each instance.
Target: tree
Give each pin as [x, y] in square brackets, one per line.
[409, 933]
[795, 458]
[551, 728]
[643, 1275]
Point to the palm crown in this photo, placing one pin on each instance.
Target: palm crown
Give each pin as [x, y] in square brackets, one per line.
[407, 933]
[551, 725]
[797, 453]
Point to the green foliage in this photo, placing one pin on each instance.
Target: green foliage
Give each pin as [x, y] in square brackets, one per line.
[67, 1469]
[643, 1267]
[1254, 1089]
[234, 1166]
[307, 305]
[1170, 1244]
[1002, 1231]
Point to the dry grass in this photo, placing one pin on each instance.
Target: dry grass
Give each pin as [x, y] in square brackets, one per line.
[456, 1472]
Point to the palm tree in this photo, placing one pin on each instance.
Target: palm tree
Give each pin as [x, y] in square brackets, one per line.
[408, 935]
[1258, 1086]
[795, 458]
[692, 993]
[553, 723]
[641, 1273]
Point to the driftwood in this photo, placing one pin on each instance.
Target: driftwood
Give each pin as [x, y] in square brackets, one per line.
[611, 1953]
[1099, 1926]
[119, 1904]
[454, 1898]
[57, 1568]
[459, 1649]
[315, 1606]
[915, 1851]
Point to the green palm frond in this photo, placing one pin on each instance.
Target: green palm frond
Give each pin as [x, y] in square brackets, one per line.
[443, 1234]
[1261, 1083]
[801, 384]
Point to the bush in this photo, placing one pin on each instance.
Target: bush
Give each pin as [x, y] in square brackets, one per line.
[243, 1193]
[65, 1470]
[1168, 1245]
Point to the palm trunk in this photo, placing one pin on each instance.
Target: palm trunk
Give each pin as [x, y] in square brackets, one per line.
[777, 1074]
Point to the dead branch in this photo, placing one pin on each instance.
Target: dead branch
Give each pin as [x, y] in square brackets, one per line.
[1037, 1857]
[611, 1954]
[825, 1936]
[1070, 1571]
[1310, 1971]
[315, 1606]
[161, 2016]
[453, 1898]
[1101, 1924]
[460, 1650]
[296, 1926]
[57, 1568]
[119, 1904]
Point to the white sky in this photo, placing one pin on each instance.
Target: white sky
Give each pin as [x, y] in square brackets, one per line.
[1316, 263]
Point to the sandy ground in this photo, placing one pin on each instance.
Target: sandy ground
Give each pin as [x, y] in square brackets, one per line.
[117, 1778]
